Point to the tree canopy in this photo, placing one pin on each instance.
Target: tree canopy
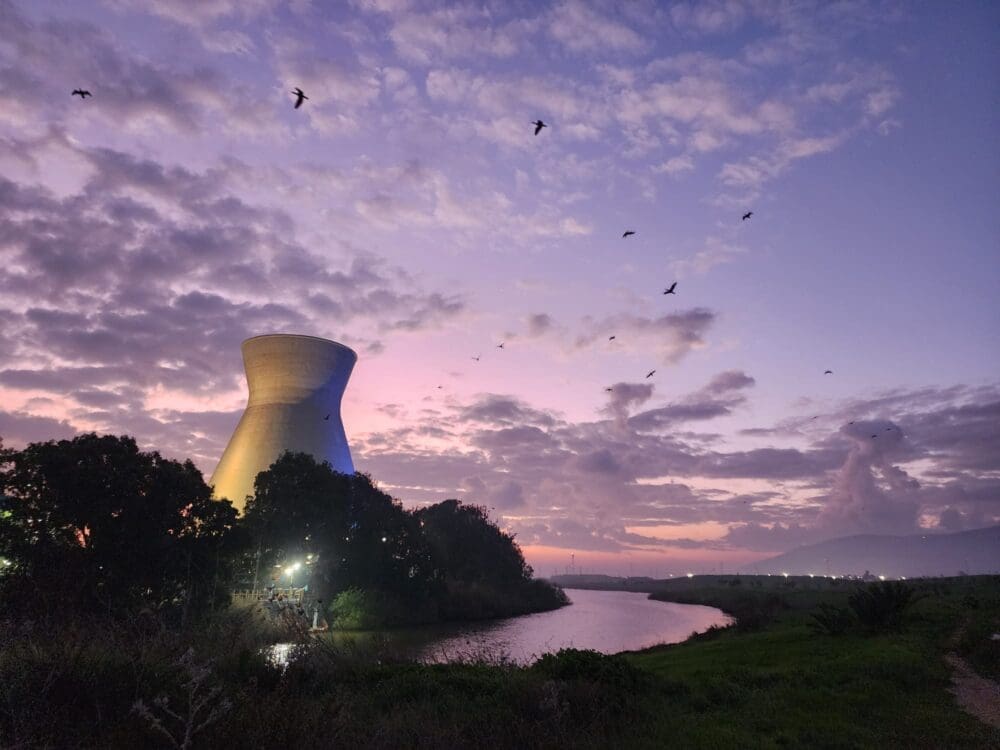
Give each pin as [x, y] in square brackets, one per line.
[94, 522]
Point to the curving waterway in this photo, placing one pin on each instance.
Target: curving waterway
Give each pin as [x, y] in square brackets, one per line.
[605, 621]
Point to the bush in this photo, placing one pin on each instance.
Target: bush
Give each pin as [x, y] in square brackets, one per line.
[757, 612]
[355, 609]
[831, 620]
[592, 684]
[881, 606]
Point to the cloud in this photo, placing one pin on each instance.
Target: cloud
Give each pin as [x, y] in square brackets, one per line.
[129, 92]
[715, 252]
[625, 396]
[668, 338]
[709, 16]
[580, 28]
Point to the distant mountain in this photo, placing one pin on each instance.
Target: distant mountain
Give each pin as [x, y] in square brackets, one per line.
[972, 552]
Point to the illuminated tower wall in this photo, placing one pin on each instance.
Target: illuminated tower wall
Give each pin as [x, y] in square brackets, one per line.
[296, 384]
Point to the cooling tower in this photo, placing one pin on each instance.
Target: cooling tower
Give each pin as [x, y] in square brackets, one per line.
[295, 384]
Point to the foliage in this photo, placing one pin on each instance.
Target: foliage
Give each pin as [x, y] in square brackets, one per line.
[577, 664]
[357, 536]
[881, 606]
[384, 565]
[831, 620]
[466, 546]
[95, 523]
[204, 706]
[358, 609]
[73, 686]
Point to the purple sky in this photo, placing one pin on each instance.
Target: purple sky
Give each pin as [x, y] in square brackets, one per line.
[408, 211]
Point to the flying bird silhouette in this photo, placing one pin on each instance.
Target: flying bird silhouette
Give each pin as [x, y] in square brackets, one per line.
[538, 126]
[500, 345]
[82, 93]
[828, 372]
[670, 289]
[650, 374]
[611, 338]
[326, 418]
[476, 358]
[874, 436]
[628, 233]
[300, 97]
[747, 215]
[609, 389]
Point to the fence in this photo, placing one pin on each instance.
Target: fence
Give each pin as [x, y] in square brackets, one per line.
[255, 595]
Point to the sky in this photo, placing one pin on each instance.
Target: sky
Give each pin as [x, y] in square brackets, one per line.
[408, 211]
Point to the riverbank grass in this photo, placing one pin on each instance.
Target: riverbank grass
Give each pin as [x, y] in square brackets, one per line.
[786, 683]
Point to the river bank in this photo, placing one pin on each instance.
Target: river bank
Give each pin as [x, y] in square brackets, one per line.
[782, 685]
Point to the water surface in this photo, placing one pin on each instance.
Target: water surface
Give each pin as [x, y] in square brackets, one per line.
[606, 621]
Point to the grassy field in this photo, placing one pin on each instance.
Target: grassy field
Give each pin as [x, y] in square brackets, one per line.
[771, 682]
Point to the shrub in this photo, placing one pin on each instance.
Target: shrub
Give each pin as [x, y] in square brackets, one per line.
[881, 606]
[831, 620]
[576, 664]
[757, 612]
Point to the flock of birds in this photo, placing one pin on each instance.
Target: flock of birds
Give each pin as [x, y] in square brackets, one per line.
[300, 98]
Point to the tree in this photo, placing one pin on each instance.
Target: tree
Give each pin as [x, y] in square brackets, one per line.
[95, 522]
[467, 546]
[352, 534]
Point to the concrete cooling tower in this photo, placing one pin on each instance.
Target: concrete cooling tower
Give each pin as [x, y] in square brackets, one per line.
[296, 384]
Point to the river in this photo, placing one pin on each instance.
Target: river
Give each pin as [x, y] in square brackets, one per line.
[606, 621]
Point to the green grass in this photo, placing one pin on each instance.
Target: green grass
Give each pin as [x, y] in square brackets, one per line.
[787, 686]
[780, 686]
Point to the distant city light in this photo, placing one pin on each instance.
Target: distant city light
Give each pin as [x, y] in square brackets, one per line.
[384, 539]
[690, 575]
[785, 575]
[881, 578]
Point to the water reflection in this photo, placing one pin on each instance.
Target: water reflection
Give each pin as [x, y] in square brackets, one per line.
[606, 621]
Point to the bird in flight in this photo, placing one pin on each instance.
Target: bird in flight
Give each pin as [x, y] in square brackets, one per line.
[82, 93]
[440, 387]
[650, 373]
[628, 233]
[609, 389]
[300, 97]
[747, 215]
[874, 436]
[326, 418]
[670, 289]
[538, 126]
[476, 358]
[611, 338]
[828, 372]
[500, 345]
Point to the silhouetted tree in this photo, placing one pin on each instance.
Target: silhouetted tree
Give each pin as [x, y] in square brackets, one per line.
[354, 535]
[94, 522]
[467, 546]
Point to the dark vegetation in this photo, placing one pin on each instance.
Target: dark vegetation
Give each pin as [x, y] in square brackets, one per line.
[94, 525]
[143, 651]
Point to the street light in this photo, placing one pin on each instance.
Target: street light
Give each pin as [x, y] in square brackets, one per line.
[290, 572]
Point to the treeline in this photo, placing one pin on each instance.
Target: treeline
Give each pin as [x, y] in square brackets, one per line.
[93, 525]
